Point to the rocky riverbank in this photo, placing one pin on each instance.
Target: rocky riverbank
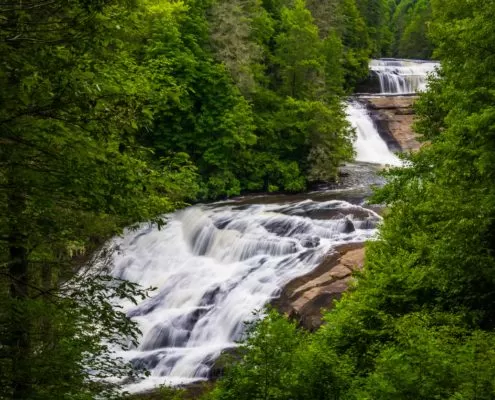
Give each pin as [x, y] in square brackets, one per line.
[304, 297]
[394, 117]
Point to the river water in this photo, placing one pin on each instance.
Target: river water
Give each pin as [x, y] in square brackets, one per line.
[399, 76]
[214, 264]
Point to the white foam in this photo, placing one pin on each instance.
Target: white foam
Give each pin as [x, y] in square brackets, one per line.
[369, 146]
[402, 76]
[214, 266]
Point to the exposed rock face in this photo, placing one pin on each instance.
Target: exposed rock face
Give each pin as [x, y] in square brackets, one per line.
[370, 85]
[305, 297]
[394, 116]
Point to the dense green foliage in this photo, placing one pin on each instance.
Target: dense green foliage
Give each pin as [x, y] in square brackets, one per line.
[419, 323]
[269, 364]
[71, 174]
[255, 94]
[410, 20]
[398, 28]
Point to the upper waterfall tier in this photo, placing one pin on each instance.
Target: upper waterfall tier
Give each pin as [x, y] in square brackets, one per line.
[402, 76]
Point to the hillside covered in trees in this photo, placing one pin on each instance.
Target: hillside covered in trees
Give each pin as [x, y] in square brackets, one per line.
[114, 112]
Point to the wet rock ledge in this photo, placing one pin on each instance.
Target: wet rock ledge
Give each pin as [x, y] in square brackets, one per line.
[304, 298]
[393, 117]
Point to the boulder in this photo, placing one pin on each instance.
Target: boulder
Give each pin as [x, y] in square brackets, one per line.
[347, 226]
[304, 297]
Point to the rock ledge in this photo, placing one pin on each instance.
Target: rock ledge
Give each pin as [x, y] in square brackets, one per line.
[394, 117]
[304, 298]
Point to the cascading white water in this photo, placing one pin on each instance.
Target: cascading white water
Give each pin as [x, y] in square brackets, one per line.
[213, 266]
[369, 146]
[402, 76]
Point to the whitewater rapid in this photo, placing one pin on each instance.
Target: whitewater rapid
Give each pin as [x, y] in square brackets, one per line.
[213, 266]
[368, 145]
[398, 76]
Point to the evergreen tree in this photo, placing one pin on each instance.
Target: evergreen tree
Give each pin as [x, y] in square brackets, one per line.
[298, 54]
[410, 20]
[71, 175]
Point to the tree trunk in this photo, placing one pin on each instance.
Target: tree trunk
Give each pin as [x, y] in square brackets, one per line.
[20, 323]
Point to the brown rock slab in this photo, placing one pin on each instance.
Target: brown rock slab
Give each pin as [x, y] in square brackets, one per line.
[340, 271]
[354, 259]
[394, 117]
[336, 273]
[311, 311]
[304, 298]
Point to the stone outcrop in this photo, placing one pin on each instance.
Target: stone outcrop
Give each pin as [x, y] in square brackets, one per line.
[369, 85]
[393, 117]
[304, 298]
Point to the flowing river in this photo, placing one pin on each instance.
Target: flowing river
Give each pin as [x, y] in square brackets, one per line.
[213, 265]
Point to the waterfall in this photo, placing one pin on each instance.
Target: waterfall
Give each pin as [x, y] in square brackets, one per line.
[369, 146]
[396, 77]
[213, 266]
[402, 76]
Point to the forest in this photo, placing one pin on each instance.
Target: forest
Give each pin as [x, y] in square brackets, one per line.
[115, 112]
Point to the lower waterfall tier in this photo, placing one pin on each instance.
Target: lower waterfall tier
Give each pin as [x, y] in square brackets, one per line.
[213, 266]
